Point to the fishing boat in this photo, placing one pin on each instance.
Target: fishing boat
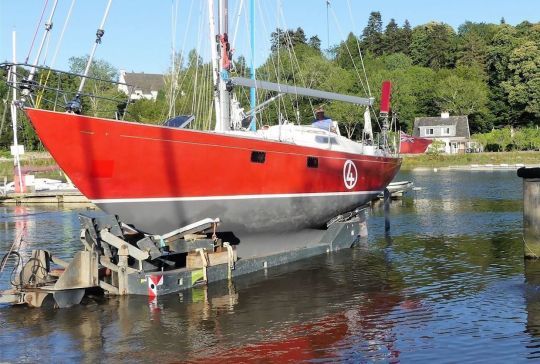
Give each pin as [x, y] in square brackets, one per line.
[283, 179]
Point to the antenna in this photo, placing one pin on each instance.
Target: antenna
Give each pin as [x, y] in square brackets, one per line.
[327, 24]
[252, 91]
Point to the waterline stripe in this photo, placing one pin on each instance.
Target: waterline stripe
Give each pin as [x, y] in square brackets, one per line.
[234, 197]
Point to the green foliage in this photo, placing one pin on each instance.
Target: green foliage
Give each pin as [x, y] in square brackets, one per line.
[372, 35]
[433, 45]
[464, 92]
[436, 148]
[508, 139]
[523, 83]
[289, 38]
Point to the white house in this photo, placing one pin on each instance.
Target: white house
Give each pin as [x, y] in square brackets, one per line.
[452, 130]
[141, 85]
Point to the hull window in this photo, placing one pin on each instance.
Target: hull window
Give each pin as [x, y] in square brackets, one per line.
[313, 162]
[258, 157]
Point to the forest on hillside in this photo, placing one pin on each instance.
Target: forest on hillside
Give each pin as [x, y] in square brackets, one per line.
[490, 72]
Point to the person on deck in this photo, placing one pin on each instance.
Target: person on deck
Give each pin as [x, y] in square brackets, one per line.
[321, 121]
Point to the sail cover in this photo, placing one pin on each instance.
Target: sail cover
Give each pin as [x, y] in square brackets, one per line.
[278, 87]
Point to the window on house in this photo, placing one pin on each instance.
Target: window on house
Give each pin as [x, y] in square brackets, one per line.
[429, 131]
[445, 131]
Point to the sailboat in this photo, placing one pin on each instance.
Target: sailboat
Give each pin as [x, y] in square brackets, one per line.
[279, 181]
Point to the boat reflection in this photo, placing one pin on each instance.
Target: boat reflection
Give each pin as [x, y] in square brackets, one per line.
[317, 310]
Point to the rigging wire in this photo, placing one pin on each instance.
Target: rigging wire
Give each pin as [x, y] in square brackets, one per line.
[5, 101]
[359, 51]
[238, 12]
[297, 63]
[55, 55]
[365, 87]
[36, 31]
[174, 23]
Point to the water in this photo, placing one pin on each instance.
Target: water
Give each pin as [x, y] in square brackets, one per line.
[448, 285]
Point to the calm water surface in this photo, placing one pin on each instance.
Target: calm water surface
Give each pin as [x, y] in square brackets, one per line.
[447, 285]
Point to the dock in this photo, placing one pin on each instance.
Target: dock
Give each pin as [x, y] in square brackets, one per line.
[488, 167]
[44, 197]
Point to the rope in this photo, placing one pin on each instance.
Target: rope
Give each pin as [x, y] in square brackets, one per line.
[56, 51]
[204, 260]
[230, 260]
[68, 17]
[526, 246]
[36, 32]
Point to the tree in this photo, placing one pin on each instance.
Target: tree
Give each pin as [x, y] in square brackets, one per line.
[405, 37]
[497, 63]
[194, 59]
[241, 68]
[287, 39]
[523, 85]
[346, 54]
[315, 42]
[464, 92]
[397, 61]
[391, 38]
[433, 45]
[98, 69]
[372, 34]
[99, 85]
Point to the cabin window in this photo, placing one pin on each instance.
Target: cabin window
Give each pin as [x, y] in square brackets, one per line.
[313, 162]
[258, 157]
[325, 140]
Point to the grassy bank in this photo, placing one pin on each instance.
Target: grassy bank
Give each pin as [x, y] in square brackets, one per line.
[439, 161]
[30, 160]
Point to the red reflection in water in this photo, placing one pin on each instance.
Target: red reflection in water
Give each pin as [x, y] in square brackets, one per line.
[367, 326]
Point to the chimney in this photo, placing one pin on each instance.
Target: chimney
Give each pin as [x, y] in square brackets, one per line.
[445, 115]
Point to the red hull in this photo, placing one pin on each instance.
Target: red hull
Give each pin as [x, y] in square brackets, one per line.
[112, 161]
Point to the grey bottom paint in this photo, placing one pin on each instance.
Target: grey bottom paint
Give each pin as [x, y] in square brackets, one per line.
[282, 223]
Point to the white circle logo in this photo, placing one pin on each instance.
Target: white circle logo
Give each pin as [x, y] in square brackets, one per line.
[350, 174]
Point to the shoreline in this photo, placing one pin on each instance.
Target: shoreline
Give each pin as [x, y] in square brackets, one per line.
[416, 162]
[472, 161]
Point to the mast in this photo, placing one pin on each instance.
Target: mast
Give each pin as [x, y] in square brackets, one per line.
[15, 152]
[215, 60]
[252, 91]
[224, 85]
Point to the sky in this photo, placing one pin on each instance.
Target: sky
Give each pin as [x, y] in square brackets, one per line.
[139, 34]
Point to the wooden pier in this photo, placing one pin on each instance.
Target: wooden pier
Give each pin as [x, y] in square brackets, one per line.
[44, 197]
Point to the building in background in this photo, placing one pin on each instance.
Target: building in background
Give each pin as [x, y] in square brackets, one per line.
[144, 85]
[453, 131]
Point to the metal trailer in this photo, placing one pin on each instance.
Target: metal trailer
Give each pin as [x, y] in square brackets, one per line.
[120, 260]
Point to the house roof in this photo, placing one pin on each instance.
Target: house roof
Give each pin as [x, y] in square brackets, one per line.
[146, 82]
[460, 122]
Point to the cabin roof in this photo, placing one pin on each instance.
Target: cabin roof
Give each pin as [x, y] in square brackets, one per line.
[460, 122]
